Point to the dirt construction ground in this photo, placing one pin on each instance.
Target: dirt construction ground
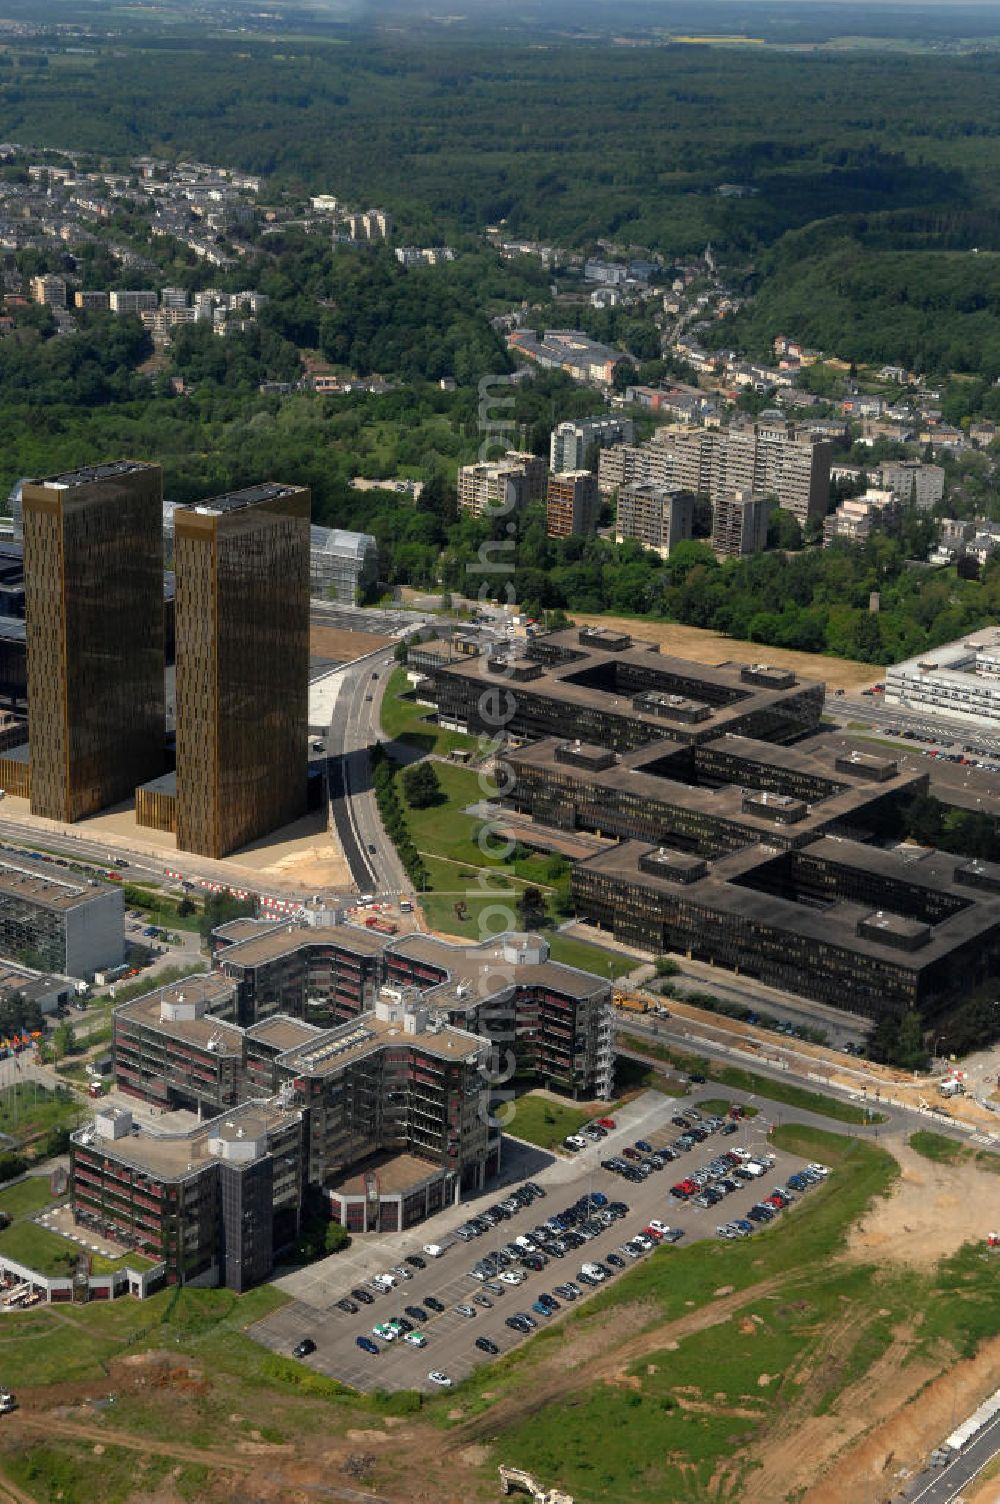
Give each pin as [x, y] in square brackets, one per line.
[856, 1446]
[703, 646]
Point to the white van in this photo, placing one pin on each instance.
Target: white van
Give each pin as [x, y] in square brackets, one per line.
[433, 1250]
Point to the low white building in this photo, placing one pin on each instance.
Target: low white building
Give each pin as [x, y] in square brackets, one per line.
[960, 681]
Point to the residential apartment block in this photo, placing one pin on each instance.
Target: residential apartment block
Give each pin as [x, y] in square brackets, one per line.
[739, 524]
[657, 518]
[858, 517]
[572, 442]
[767, 458]
[124, 300]
[50, 291]
[487, 488]
[573, 504]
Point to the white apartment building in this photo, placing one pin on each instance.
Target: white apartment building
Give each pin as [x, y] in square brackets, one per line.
[571, 442]
[123, 300]
[960, 681]
[492, 488]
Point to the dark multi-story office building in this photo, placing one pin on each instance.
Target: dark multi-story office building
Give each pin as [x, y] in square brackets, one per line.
[93, 557]
[715, 797]
[605, 688]
[873, 931]
[325, 975]
[242, 625]
[216, 1203]
[556, 1019]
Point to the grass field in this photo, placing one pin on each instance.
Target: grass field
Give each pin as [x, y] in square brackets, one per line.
[39, 1249]
[719, 1107]
[543, 1122]
[603, 963]
[28, 1109]
[406, 721]
[947, 1151]
[733, 1076]
[704, 646]
[25, 1197]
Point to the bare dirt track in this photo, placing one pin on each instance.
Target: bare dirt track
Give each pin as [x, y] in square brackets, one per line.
[703, 646]
[932, 1211]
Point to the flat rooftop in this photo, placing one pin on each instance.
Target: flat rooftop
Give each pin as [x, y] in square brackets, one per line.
[173, 1156]
[482, 971]
[282, 1033]
[286, 938]
[366, 1035]
[612, 678]
[89, 475]
[236, 501]
[211, 988]
[48, 892]
[728, 888]
[660, 775]
[396, 1172]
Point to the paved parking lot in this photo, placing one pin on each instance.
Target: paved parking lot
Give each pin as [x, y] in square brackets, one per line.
[450, 1336]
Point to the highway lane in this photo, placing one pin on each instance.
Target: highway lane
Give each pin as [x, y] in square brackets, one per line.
[947, 1484]
[354, 728]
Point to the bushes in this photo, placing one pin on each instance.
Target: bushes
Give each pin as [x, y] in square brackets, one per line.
[12, 1165]
[393, 817]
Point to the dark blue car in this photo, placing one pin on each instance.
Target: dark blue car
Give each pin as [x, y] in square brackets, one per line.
[366, 1345]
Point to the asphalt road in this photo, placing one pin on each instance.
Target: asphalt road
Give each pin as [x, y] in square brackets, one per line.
[451, 1336]
[354, 728]
[943, 1485]
[873, 710]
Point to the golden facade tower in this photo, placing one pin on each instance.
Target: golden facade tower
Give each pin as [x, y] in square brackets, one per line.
[242, 571]
[93, 567]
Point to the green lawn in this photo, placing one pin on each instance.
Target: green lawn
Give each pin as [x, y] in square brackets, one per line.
[406, 721]
[944, 1151]
[543, 1122]
[593, 958]
[39, 1249]
[948, 1151]
[718, 1107]
[25, 1197]
[27, 1109]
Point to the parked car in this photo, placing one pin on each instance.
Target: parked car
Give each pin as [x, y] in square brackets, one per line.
[433, 1304]
[437, 1377]
[305, 1347]
[486, 1346]
[367, 1345]
[349, 1306]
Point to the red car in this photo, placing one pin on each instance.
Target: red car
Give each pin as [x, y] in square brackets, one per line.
[605, 1122]
[651, 1232]
[631, 1154]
